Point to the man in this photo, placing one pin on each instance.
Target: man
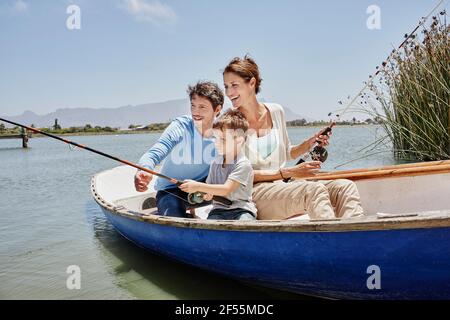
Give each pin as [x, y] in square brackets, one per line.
[187, 148]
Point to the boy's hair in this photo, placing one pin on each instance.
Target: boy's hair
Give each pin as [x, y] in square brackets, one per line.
[208, 90]
[232, 119]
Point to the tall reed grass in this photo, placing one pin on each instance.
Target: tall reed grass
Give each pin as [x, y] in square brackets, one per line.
[411, 96]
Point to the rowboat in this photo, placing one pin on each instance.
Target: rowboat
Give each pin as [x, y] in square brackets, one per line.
[399, 250]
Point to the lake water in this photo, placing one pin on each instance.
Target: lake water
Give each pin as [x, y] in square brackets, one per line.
[49, 221]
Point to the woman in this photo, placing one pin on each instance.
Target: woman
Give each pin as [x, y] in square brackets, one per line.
[186, 147]
[268, 149]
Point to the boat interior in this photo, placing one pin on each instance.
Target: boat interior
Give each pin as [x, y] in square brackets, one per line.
[395, 191]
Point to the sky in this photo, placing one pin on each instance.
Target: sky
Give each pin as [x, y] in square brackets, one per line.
[311, 54]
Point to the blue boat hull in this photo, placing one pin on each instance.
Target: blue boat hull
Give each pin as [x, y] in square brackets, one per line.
[414, 263]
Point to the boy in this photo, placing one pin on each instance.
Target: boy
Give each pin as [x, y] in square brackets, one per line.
[231, 173]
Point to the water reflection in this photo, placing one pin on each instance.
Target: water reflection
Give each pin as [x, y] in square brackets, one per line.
[149, 276]
[47, 188]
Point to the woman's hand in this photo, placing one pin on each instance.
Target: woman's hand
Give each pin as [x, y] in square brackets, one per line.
[190, 186]
[319, 137]
[141, 180]
[302, 170]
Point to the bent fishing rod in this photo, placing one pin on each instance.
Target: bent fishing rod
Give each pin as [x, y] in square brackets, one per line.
[193, 198]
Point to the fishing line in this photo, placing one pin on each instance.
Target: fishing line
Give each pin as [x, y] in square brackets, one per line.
[194, 196]
[384, 64]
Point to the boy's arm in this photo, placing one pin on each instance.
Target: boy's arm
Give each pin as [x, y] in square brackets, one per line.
[208, 197]
[223, 190]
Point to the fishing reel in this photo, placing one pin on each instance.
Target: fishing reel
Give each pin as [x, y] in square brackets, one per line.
[196, 198]
[318, 153]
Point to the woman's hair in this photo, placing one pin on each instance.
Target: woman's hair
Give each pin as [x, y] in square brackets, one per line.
[208, 90]
[245, 68]
[232, 119]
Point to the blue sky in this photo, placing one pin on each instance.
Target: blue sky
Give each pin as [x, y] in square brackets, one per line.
[311, 53]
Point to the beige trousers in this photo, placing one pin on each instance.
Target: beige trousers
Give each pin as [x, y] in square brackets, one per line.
[324, 199]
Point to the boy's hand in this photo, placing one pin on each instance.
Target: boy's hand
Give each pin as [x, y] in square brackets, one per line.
[190, 186]
[207, 197]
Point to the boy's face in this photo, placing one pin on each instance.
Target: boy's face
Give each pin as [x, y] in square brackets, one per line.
[227, 142]
[203, 112]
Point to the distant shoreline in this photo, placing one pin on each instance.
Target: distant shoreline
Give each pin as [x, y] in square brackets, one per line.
[125, 132]
[38, 135]
[336, 126]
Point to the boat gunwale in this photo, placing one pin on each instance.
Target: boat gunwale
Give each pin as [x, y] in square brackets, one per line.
[433, 219]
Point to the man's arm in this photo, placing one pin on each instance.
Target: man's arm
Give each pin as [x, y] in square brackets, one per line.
[168, 140]
[158, 152]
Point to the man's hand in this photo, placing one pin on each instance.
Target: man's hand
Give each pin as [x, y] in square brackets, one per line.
[190, 186]
[141, 180]
[302, 170]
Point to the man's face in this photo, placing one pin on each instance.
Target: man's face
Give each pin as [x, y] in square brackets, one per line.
[202, 112]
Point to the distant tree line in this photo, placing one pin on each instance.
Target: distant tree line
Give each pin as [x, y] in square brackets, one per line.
[57, 129]
[9, 131]
[150, 127]
[87, 129]
[354, 121]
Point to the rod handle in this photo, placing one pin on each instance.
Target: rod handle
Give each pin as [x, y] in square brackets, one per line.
[220, 199]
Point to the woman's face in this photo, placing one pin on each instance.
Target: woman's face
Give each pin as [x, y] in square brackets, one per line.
[239, 91]
[203, 113]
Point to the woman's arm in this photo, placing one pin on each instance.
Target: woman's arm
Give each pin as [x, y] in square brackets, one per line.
[305, 146]
[266, 175]
[300, 149]
[302, 170]
[223, 190]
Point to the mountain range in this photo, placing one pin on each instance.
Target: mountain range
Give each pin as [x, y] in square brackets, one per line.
[120, 117]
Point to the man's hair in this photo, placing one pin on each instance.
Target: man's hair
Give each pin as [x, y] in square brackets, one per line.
[208, 90]
[231, 119]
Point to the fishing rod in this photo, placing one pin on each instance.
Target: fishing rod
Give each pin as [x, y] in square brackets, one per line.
[193, 198]
[317, 151]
